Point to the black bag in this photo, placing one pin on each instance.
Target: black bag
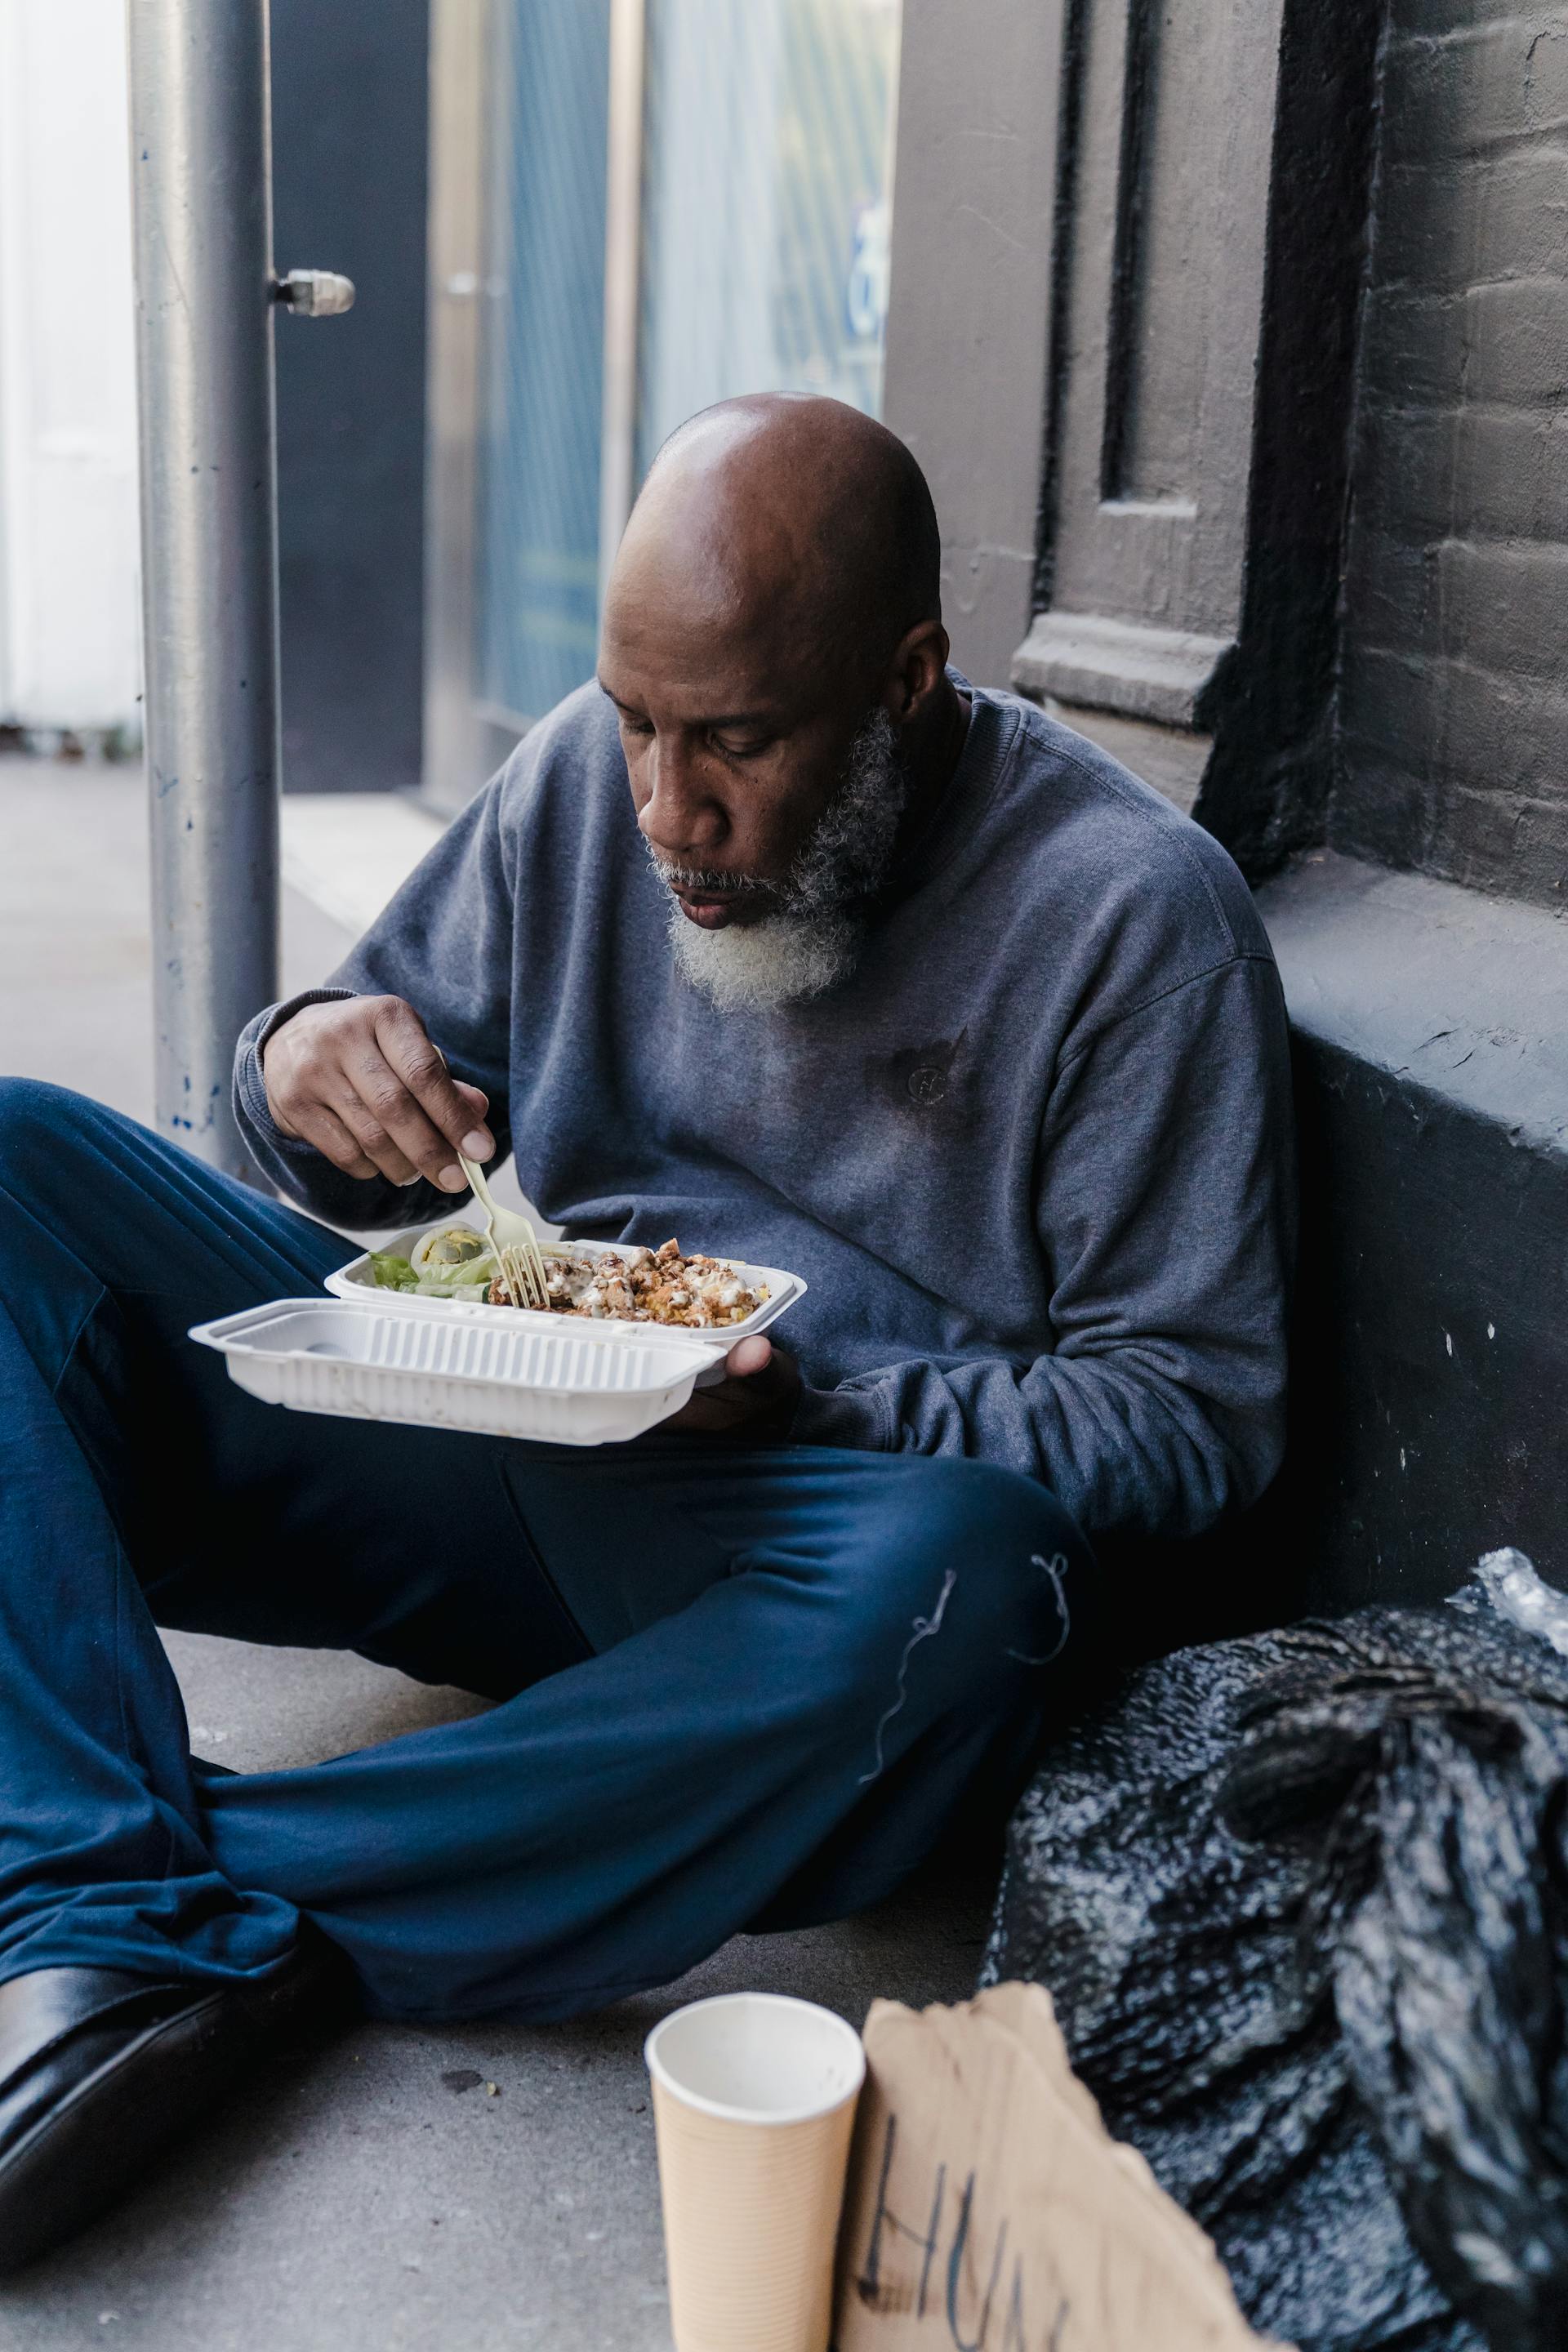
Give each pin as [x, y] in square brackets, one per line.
[1302, 1902]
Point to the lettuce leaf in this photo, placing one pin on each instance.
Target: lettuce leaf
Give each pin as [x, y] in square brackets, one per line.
[389, 1272]
[462, 1282]
[470, 1280]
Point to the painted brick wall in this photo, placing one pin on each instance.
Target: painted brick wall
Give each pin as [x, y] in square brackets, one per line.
[1453, 707]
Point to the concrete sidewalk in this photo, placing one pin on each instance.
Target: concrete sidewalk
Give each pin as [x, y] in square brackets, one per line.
[370, 2196]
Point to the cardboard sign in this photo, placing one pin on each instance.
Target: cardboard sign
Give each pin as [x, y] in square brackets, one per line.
[989, 2209]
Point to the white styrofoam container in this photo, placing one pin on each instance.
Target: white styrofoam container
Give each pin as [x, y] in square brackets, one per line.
[353, 1280]
[492, 1371]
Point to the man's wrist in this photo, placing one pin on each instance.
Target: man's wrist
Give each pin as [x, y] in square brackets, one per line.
[281, 1014]
[775, 1422]
[855, 1418]
[252, 1102]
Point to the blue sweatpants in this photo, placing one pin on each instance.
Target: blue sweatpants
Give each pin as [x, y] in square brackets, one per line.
[737, 1688]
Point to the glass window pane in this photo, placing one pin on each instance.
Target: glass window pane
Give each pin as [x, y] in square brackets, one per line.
[766, 182]
[540, 393]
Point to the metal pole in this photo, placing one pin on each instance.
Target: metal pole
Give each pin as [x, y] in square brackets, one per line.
[202, 185]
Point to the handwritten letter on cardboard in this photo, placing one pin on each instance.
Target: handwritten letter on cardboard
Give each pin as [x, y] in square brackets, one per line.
[990, 2210]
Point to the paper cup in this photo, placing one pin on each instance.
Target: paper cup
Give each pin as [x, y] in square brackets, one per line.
[753, 2102]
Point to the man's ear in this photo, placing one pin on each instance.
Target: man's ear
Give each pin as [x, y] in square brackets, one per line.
[916, 672]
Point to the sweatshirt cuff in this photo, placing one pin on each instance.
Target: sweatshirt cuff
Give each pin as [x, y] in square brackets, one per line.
[855, 1418]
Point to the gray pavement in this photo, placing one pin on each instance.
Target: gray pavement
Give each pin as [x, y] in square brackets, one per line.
[371, 2194]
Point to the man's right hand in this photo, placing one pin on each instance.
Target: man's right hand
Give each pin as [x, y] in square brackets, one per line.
[360, 1079]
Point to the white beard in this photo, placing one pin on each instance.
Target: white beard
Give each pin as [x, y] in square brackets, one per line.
[810, 940]
[782, 960]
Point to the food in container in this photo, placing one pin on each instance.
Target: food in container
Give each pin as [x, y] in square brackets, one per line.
[627, 1283]
[427, 1349]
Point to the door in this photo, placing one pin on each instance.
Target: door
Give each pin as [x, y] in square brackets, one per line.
[639, 206]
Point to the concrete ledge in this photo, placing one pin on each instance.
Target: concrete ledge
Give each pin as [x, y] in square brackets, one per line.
[1431, 1352]
[1462, 995]
[1161, 674]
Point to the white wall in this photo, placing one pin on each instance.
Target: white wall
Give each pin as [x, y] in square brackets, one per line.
[70, 620]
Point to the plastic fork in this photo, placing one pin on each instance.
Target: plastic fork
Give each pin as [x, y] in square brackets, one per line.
[514, 1241]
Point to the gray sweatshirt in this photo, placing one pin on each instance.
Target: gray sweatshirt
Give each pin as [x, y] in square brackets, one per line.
[1033, 1158]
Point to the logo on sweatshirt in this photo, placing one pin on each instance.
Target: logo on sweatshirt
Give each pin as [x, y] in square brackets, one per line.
[918, 1076]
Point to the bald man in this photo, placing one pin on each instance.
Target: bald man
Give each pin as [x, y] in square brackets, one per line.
[782, 938]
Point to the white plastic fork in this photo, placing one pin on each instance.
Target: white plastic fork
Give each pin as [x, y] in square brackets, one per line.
[514, 1241]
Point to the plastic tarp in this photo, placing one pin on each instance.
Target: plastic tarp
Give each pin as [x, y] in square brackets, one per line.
[1302, 1902]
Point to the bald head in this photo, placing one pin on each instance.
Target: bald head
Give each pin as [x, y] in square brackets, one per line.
[773, 647]
[799, 508]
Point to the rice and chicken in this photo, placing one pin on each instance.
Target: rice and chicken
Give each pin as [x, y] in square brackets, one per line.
[627, 1283]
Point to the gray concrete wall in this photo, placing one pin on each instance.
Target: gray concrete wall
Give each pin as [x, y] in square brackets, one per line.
[1453, 749]
[1210, 218]
[1431, 1336]
[966, 382]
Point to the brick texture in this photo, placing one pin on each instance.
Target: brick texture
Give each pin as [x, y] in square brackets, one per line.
[1453, 722]
[1478, 90]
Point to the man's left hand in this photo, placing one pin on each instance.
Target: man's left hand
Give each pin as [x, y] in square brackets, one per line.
[755, 1399]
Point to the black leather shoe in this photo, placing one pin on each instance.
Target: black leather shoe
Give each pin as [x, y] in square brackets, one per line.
[100, 2070]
